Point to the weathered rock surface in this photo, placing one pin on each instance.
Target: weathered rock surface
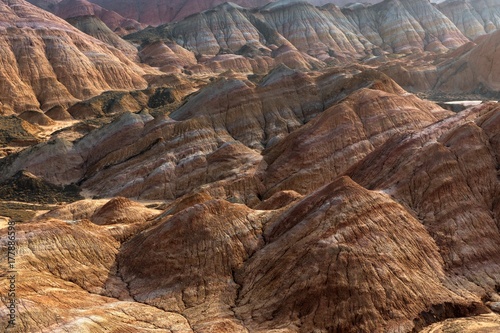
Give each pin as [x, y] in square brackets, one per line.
[208, 141]
[404, 26]
[47, 62]
[289, 201]
[475, 70]
[161, 11]
[447, 174]
[317, 251]
[320, 33]
[473, 18]
[370, 116]
[74, 8]
[117, 23]
[72, 264]
[296, 33]
[93, 26]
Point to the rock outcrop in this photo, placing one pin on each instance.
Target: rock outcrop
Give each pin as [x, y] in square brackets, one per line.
[470, 69]
[320, 33]
[447, 175]
[46, 62]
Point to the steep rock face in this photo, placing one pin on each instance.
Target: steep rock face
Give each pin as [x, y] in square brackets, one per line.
[473, 18]
[317, 251]
[344, 134]
[404, 26]
[224, 234]
[447, 174]
[47, 62]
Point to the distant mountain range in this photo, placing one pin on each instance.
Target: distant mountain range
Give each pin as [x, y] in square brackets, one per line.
[155, 12]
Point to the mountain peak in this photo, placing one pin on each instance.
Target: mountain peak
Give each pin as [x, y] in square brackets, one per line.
[284, 3]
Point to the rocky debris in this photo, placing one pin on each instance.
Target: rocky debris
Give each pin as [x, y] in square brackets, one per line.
[26, 187]
[17, 132]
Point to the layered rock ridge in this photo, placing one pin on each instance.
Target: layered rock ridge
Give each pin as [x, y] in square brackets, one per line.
[196, 140]
[298, 34]
[473, 18]
[47, 62]
[403, 26]
[333, 201]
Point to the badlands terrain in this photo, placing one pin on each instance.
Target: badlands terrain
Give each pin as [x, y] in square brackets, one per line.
[251, 166]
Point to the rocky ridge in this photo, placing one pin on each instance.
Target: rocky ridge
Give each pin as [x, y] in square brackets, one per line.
[281, 200]
[36, 77]
[288, 200]
[297, 34]
[67, 9]
[473, 18]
